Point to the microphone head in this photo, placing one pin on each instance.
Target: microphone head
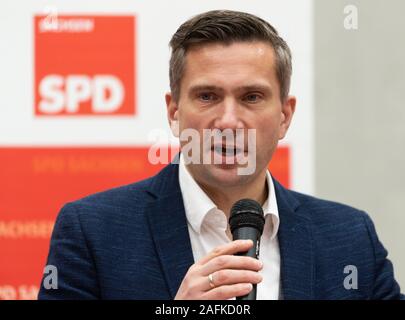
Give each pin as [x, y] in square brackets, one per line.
[246, 213]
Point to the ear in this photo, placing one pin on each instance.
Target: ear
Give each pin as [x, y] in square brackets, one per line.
[287, 112]
[172, 114]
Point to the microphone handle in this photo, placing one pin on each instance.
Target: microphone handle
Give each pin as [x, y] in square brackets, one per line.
[248, 233]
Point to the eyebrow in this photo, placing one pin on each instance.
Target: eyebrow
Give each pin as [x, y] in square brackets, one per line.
[256, 87]
[253, 87]
[198, 88]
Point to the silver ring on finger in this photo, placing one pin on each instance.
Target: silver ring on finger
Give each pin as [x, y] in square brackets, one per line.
[211, 280]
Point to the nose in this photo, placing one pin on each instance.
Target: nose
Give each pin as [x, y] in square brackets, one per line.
[229, 116]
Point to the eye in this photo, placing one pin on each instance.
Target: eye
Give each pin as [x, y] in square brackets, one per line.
[207, 96]
[252, 97]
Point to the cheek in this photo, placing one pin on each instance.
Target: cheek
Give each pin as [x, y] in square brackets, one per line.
[268, 127]
[190, 123]
[190, 120]
[267, 135]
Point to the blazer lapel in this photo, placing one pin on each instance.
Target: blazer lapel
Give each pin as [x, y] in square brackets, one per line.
[296, 248]
[168, 223]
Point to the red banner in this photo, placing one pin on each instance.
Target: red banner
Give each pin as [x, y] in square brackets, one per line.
[36, 182]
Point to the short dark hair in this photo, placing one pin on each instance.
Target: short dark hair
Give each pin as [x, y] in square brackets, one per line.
[226, 26]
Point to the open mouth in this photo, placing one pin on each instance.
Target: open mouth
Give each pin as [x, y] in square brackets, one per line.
[227, 151]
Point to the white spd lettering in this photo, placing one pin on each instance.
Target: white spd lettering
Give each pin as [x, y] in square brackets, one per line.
[58, 93]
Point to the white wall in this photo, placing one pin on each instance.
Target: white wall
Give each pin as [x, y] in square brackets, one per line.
[360, 113]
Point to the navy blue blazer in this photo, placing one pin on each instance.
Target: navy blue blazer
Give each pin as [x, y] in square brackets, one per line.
[132, 242]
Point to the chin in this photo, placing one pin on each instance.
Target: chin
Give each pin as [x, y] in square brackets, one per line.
[225, 175]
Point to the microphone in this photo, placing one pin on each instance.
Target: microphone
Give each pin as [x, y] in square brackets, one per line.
[246, 222]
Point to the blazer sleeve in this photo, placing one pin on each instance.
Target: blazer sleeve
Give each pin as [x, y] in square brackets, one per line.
[385, 286]
[69, 253]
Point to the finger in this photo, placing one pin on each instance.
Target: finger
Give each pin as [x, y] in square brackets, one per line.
[230, 262]
[228, 291]
[227, 249]
[228, 277]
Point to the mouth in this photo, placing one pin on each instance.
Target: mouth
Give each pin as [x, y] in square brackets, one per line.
[227, 151]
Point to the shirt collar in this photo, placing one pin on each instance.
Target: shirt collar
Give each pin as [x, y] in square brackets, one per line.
[197, 204]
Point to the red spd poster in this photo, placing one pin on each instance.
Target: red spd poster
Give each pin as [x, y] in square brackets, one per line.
[84, 65]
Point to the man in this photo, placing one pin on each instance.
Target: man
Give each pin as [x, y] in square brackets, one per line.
[168, 237]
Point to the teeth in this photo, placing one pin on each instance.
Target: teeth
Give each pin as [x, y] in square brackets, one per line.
[228, 151]
[218, 149]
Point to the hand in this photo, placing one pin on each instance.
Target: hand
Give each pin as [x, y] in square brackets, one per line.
[232, 276]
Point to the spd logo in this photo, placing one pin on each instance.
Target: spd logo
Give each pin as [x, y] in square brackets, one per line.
[84, 65]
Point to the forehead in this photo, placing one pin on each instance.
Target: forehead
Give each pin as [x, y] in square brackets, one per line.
[230, 65]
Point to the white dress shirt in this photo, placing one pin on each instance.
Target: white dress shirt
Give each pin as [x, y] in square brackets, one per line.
[207, 228]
